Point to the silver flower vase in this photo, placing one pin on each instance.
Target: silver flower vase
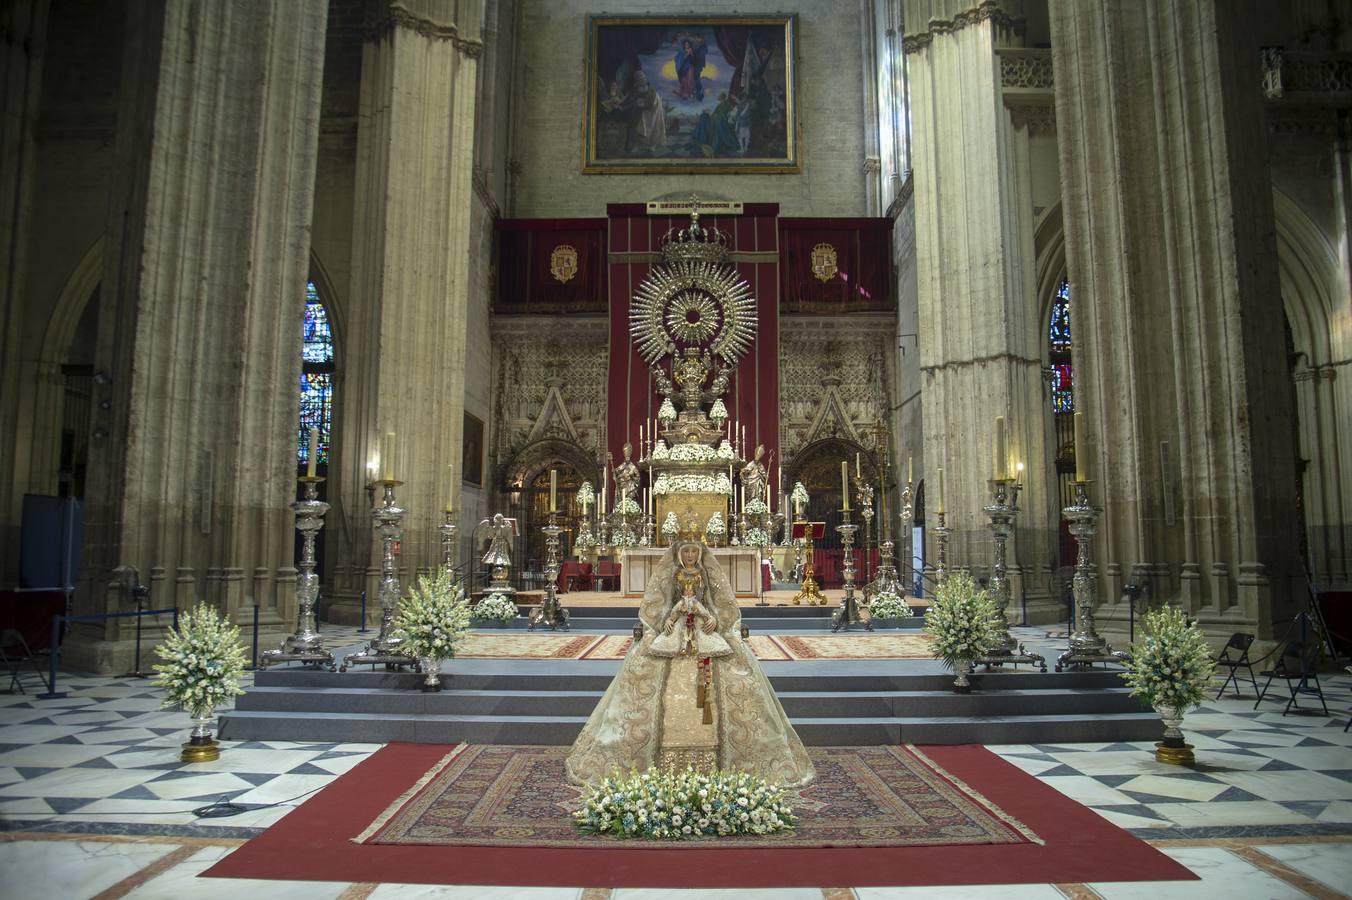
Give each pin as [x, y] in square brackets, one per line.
[963, 668]
[200, 746]
[1173, 749]
[431, 667]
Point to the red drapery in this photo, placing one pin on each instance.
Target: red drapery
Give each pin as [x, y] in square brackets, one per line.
[633, 245]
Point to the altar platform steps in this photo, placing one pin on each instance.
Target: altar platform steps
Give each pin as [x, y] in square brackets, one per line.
[760, 619]
[830, 703]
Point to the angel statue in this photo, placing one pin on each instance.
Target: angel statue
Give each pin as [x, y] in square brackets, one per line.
[626, 475]
[690, 692]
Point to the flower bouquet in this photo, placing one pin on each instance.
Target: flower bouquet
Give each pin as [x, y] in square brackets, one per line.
[719, 411]
[586, 495]
[432, 619]
[1170, 670]
[495, 608]
[757, 507]
[799, 497]
[676, 806]
[964, 623]
[670, 527]
[756, 537]
[627, 506]
[666, 412]
[715, 528]
[889, 605]
[203, 661]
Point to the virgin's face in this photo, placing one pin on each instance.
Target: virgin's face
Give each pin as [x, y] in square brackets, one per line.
[689, 556]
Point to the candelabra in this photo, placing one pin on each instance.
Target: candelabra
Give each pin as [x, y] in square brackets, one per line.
[907, 515]
[941, 533]
[1086, 645]
[1002, 511]
[808, 590]
[448, 529]
[386, 646]
[848, 611]
[305, 645]
[550, 612]
[864, 496]
[649, 531]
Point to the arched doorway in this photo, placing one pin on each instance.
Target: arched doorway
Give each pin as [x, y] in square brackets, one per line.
[525, 485]
[817, 466]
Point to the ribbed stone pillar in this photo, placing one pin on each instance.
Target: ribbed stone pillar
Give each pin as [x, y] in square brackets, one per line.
[192, 461]
[979, 320]
[23, 30]
[1180, 364]
[410, 267]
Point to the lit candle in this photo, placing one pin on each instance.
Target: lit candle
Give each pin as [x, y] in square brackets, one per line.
[1018, 474]
[1001, 454]
[743, 444]
[605, 476]
[845, 484]
[372, 470]
[1080, 467]
[941, 491]
[450, 488]
[387, 456]
[910, 471]
[312, 458]
[858, 473]
[553, 490]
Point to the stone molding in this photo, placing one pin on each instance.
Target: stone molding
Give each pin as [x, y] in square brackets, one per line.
[1037, 119]
[834, 377]
[401, 17]
[1029, 69]
[872, 165]
[484, 192]
[981, 361]
[1328, 74]
[988, 10]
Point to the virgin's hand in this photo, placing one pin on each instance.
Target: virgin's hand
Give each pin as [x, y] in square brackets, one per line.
[709, 626]
[669, 628]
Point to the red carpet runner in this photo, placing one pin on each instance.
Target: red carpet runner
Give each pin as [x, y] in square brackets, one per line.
[314, 843]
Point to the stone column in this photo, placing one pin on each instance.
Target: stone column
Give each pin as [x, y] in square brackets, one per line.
[1180, 365]
[979, 334]
[23, 32]
[193, 458]
[411, 267]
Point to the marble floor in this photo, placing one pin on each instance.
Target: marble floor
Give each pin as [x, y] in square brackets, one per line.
[94, 802]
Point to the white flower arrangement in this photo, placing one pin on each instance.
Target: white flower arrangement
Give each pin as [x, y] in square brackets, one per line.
[718, 412]
[725, 452]
[586, 495]
[692, 452]
[627, 505]
[203, 661]
[715, 526]
[666, 412]
[661, 451]
[433, 617]
[685, 483]
[963, 620]
[1173, 666]
[799, 495]
[585, 540]
[756, 537]
[496, 608]
[889, 605]
[757, 507]
[684, 805]
[624, 536]
[669, 525]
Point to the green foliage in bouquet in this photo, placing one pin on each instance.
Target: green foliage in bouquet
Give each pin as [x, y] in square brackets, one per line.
[433, 617]
[889, 605]
[668, 805]
[1173, 666]
[963, 620]
[203, 661]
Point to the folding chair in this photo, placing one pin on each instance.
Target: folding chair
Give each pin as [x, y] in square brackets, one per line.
[14, 652]
[1297, 666]
[1240, 643]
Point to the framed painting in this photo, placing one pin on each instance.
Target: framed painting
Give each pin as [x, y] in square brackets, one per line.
[691, 94]
[472, 459]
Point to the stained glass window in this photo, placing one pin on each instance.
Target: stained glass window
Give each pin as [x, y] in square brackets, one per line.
[1063, 380]
[316, 378]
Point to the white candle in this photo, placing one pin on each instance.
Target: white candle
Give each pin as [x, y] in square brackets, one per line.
[312, 459]
[910, 472]
[941, 491]
[553, 490]
[1001, 453]
[387, 456]
[845, 484]
[450, 488]
[1080, 461]
[858, 473]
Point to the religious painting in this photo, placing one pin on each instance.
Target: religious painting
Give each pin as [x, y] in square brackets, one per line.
[691, 94]
[472, 459]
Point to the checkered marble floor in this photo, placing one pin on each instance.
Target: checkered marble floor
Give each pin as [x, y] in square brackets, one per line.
[93, 781]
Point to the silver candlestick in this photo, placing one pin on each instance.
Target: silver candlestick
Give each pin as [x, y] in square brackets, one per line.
[848, 611]
[386, 647]
[649, 531]
[305, 645]
[550, 612]
[1086, 645]
[448, 529]
[1002, 511]
[941, 538]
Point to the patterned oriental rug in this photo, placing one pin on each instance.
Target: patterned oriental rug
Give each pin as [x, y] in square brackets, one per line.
[777, 647]
[863, 797]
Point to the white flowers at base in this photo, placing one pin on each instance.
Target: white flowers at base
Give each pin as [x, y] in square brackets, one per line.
[627, 506]
[668, 483]
[203, 661]
[1173, 666]
[433, 617]
[495, 608]
[718, 412]
[715, 526]
[756, 537]
[963, 621]
[692, 452]
[667, 411]
[889, 605]
[725, 452]
[685, 805]
[757, 507]
[670, 526]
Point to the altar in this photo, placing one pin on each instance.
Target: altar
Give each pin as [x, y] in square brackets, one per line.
[742, 565]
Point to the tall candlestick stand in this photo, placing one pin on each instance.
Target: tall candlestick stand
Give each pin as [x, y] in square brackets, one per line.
[907, 516]
[1086, 645]
[386, 647]
[941, 533]
[305, 645]
[848, 611]
[550, 612]
[448, 529]
[1002, 511]
[649, 531]
[808, 590]
[863, 493]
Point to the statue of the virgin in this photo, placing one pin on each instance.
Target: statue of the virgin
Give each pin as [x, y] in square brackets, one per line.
[690, 692]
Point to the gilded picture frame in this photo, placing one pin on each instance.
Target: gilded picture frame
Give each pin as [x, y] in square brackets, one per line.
[687, 94]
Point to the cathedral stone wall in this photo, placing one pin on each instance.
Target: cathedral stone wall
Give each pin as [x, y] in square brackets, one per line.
[549, 102]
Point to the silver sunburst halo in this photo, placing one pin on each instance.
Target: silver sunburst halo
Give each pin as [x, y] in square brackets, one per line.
[692, 317]
[659, 319]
